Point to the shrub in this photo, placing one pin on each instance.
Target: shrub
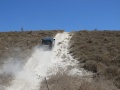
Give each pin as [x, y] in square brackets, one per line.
[91, 66]
[66, 82]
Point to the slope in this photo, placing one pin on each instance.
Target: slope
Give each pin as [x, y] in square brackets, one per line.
[45, 63]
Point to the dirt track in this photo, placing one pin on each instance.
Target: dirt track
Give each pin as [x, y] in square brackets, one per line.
[17, 65]
[45, 63]
[16, 48]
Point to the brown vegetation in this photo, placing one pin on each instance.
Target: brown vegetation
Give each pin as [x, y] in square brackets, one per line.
[26, 40]
[18, 45]
[5, 79]
[100, 53]
[62, 81]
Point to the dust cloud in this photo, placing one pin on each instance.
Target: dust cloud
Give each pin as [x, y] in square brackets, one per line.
[28, 76]
[42, 63]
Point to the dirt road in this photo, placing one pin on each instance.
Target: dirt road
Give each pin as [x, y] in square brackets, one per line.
[44, 63]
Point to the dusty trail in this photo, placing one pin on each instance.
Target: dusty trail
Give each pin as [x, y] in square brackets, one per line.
[44, 63]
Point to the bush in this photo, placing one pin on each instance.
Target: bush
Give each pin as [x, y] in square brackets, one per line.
[66, 82]
[91, 66]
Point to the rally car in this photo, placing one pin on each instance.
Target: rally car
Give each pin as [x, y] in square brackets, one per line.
[48, 42]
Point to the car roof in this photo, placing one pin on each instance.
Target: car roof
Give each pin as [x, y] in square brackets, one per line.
[48, 38]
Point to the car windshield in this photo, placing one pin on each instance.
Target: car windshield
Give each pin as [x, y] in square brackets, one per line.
[48, 38]
[46, 41]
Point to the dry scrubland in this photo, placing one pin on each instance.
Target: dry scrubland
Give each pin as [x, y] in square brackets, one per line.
[61, 81]
[21, 41]
[99, 52]
[16, 46]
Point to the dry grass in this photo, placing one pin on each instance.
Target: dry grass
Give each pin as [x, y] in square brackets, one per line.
[65, 82]
[99, 51]
[18, 45]
[23, 41]
[5, 79]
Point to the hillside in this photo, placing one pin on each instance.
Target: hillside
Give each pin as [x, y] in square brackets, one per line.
[24, 40]
[80, 60]
[99, 52]
[18, 46]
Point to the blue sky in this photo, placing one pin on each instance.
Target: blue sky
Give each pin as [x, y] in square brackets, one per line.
[59, 14]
